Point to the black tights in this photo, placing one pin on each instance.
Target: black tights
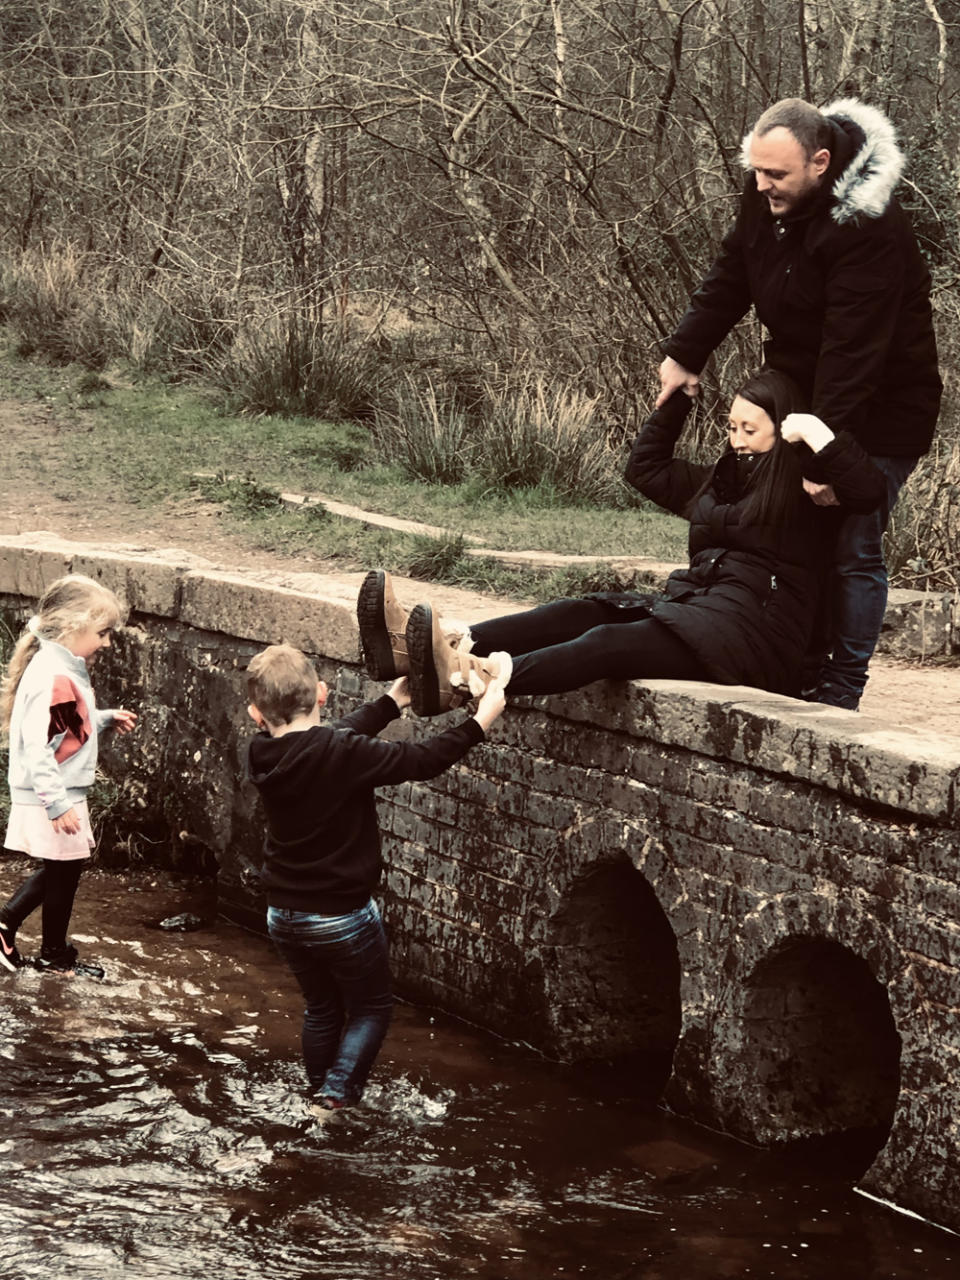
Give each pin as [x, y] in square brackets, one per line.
[54, 886]
[569, 643]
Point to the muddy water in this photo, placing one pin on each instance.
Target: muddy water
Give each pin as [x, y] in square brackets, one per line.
[153, 1127]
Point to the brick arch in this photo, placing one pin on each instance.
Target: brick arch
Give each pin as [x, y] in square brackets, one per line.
[611, 977]
[806, 1050]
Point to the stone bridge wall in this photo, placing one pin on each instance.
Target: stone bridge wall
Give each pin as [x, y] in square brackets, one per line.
[751, 902]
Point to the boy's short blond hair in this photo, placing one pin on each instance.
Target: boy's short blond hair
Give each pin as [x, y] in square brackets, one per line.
[282, 684]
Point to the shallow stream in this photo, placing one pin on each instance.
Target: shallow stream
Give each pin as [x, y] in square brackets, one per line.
[153, 1127]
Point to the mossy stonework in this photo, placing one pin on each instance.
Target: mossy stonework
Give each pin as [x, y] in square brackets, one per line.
[750, 903]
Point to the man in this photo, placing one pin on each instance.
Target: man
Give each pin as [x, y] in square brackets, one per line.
[828, 259]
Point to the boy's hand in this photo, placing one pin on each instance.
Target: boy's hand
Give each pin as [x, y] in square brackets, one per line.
[399, 691]
[491, 705]
[124, 721]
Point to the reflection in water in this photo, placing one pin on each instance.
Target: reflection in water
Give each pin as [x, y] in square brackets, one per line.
[153, 1127]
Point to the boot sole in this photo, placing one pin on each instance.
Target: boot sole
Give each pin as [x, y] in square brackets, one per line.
[424, 682]
[375, 648]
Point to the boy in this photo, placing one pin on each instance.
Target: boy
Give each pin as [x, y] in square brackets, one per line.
[322, 852]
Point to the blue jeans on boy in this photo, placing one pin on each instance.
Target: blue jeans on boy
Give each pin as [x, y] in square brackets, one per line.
[342, 966]
[860, 591]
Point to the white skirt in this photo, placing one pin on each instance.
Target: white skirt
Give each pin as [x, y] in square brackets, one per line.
[29, 830]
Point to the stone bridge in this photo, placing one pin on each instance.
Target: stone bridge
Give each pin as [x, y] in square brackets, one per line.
[747, 903]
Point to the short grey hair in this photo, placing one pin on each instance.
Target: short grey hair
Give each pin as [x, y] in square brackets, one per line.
[810, 127]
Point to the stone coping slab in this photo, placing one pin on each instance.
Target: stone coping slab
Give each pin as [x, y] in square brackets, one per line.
[906, 769]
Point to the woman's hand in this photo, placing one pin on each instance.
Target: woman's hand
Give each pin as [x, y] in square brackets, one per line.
[808, 428]
[123, 720]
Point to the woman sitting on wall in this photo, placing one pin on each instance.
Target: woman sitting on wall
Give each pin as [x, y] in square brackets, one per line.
[740, 613]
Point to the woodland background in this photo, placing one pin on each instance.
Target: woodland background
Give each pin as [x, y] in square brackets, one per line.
[391, 209]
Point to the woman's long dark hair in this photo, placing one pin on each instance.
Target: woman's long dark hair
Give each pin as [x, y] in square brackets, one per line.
[776, 482]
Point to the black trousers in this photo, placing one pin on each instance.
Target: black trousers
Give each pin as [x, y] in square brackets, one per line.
[569, 643]
[53, 886]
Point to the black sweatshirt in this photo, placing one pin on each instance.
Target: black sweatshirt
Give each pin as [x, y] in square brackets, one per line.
[322, 849]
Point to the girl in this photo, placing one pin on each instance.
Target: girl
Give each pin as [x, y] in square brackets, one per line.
[740, 613]
[48, 709]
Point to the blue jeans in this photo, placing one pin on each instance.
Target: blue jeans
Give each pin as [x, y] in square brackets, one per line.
[342, 967]
[860, 586]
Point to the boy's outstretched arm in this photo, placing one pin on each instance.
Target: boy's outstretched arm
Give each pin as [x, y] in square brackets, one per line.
[369, 761]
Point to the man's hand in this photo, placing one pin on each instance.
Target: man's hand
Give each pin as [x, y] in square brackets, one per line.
[822, 494]
[674, 377]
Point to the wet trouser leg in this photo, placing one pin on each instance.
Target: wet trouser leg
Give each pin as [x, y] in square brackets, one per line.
[860, 588]
[54, 886]
[342, 967]
[570, 643]
[25, 900]
[61, 880]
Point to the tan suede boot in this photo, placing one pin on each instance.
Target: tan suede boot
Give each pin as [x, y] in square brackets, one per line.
[383, 624]
[441, 676]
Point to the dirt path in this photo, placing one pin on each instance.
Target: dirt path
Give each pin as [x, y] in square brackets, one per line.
[40, 493]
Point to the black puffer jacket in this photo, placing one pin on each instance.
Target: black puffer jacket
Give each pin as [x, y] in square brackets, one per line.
[842, 289]
[746, 603]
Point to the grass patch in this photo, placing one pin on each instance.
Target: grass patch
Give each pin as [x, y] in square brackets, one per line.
[145, 440]
[244, 495]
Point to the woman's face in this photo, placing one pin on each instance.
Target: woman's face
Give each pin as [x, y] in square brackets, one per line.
[751, 428]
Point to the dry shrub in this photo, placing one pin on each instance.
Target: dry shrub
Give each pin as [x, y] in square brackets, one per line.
[53, 307]
[923, 541]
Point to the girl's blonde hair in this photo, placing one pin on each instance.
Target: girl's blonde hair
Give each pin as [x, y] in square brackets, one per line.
[69, 605]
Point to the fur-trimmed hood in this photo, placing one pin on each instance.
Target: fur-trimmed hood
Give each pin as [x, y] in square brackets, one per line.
[867, 180]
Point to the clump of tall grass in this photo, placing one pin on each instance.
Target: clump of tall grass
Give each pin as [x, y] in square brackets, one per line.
[434, 558]
[523, 435]
[295, 367]
[548, 436]
[427, 437]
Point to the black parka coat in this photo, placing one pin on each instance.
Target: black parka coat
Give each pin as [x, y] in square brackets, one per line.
[745, 605]
[842, 290]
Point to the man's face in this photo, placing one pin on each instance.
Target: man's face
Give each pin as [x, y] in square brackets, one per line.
[785, 174]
